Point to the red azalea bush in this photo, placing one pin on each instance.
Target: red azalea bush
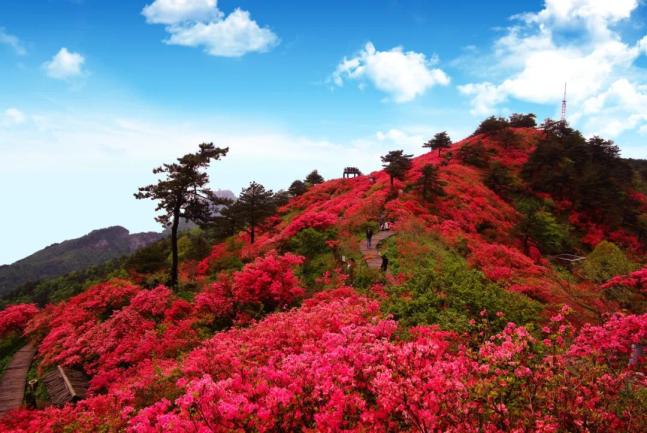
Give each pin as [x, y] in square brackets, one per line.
[315, 220]
[334, 365]
[326, 374]
[268, 281]
[106, 342]
[14, 318]
[637, 280]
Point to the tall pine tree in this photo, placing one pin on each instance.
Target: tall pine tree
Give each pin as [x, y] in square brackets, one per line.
[182, 194]
[440, 141]
[254, 204]
[396, 163]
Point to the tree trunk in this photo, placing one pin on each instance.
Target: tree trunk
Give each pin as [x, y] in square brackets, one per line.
[252, 230]
[174, 254]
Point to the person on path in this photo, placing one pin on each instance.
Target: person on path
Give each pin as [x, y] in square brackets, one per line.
[385, 263]
[369, 237]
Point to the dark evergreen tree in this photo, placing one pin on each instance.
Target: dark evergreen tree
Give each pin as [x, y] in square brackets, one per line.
[429, 183]
[226, 220]
[491, 125]
[182, 194]
[518, 120]
[588, 173]
[440, 141]
[281, 197]
[396, 163]
[254, 204]
[314, 178]
[474, 154]
[297, 188]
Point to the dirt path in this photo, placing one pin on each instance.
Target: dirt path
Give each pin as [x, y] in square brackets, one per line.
[371, 255]
[12, 384]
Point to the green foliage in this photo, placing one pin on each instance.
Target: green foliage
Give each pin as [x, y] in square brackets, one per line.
[440, 141]
[182, 193]
[150, 259]
[540, 225]
[491, 125]
[50, 290]
[589, 173]
[450, 294]
[8, 346]
[36, 396]
[254, 204]
[628, 298]
[606, 261]
[396, 163]
[311, 244]
[518, 120]
[501, 180]
[192, 245]
[429, 183]
[314, 178]
[297, 188]
[474, 154]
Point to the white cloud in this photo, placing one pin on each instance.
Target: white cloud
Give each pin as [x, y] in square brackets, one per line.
[234, 36]
[12, 41]
[485, 96]
[403, 75]
[13, 116]
[199, 23]
[65, 64]
[177, 11]
[574, 42]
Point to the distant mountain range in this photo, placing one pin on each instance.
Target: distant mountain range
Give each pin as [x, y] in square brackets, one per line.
[95, 248]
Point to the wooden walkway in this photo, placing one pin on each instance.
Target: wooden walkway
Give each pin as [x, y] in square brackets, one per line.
[12, 384]
[371, 255]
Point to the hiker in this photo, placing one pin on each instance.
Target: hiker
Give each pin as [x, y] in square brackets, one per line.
[369, 237]
[385, 263]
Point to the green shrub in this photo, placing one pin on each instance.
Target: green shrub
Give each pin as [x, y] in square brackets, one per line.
[606, 261]
[443, 290]
[474, 154]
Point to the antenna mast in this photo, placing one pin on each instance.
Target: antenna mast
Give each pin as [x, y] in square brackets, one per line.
[564, 106]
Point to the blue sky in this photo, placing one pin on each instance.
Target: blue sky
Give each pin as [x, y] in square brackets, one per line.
[95, 93]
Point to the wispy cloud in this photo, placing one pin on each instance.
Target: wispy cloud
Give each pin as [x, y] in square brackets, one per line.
[12, 41]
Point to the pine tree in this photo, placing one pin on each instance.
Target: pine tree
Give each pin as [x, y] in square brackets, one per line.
[297, 188]
[429, 182]
[254, 204]
[314, 178]
[396, 163]
[182, 194]
[440, 141]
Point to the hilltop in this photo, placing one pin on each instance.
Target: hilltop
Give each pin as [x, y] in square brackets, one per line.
[514, 301]
[98, 246]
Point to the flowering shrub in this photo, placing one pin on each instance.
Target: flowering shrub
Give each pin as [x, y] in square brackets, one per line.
[340, 362]
[14, 318]
[334, 365]
[267, 283]
[315, 220]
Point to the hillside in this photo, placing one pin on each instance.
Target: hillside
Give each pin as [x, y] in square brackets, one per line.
[98, 246]
[514, 301]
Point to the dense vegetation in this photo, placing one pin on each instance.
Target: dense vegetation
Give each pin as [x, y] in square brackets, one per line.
[95, 248]
[482, 324]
